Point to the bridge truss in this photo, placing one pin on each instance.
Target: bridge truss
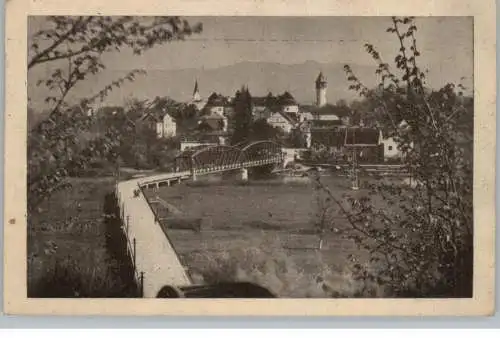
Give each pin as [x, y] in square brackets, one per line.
[218, 158]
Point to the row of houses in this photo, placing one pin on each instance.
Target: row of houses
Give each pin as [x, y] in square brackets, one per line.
[281, 111]
[322, 124]
[372, 145]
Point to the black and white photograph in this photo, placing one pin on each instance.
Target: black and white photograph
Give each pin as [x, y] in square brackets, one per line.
[250, 157]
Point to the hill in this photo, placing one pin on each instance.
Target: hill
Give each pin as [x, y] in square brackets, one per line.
[261, 77]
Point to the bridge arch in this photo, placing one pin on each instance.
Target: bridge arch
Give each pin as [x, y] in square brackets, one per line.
[262, 151]
[218, 157]
[213, 158]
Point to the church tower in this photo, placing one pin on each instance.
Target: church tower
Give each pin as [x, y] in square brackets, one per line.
[321, 85]
[197, 101]
[196, 92]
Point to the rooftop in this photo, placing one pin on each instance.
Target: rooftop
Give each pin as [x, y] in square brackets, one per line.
[328, 109]
[356, 136]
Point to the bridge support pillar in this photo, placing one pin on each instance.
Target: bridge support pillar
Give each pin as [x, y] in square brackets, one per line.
[244, 174]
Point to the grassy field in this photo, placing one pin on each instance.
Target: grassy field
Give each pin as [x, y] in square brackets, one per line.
[263, 232]
[260, 232]
[70, 249]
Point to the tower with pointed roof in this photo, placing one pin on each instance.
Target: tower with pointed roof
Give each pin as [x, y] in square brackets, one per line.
[196, 92]
[321, 86]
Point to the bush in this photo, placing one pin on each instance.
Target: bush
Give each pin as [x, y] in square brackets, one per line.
[419, 237]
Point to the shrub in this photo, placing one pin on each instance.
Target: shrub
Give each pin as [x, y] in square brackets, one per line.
[420, 238]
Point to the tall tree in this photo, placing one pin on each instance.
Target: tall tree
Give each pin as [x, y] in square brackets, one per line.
[242, 116]
[261, 130]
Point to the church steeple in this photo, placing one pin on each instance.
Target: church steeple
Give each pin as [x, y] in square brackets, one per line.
[196, 92]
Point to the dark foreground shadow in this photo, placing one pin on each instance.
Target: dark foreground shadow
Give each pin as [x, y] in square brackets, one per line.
[218, 290]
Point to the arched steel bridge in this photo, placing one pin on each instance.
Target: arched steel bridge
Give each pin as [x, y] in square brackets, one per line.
[218, 158]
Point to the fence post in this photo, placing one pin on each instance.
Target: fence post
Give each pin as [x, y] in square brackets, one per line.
[142, 283]
[134, 254]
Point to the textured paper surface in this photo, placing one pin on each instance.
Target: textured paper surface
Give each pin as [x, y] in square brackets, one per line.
[15, 298]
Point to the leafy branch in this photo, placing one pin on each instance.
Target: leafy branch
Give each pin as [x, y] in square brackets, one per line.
[70, 138]
[428, 228]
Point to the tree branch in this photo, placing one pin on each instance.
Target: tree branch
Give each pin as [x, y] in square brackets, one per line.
[38, 58]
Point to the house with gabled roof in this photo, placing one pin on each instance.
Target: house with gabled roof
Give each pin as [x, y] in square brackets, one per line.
[216, 104]
[288, 103]
[282, 121]
[159, 120]
[392, 149]
[365, 142]
[357, 137]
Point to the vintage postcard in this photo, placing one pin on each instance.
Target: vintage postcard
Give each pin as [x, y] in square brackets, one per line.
[260, 158]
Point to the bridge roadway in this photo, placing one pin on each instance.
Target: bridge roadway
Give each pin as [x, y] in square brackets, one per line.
[154, 253]
[170, 178]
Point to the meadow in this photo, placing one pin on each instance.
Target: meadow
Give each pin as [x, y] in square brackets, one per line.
[73, 249]
[263, 232]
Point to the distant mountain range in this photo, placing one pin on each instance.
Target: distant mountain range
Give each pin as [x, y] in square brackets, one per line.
[260, 77]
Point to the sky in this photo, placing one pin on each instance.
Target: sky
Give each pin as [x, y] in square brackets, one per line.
[446, 44]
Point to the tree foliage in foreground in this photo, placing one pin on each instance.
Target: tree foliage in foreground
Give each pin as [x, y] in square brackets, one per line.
[73, 49]
[419, 236]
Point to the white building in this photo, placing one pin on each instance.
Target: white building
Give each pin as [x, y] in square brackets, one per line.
[279, 120]
[184, 145]
[288, 104]
[163, 124]
[391, 147]
[327, 117]
[291, 108]
[215, 110]
[391, 150]
[305, 116]
[168, 127]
